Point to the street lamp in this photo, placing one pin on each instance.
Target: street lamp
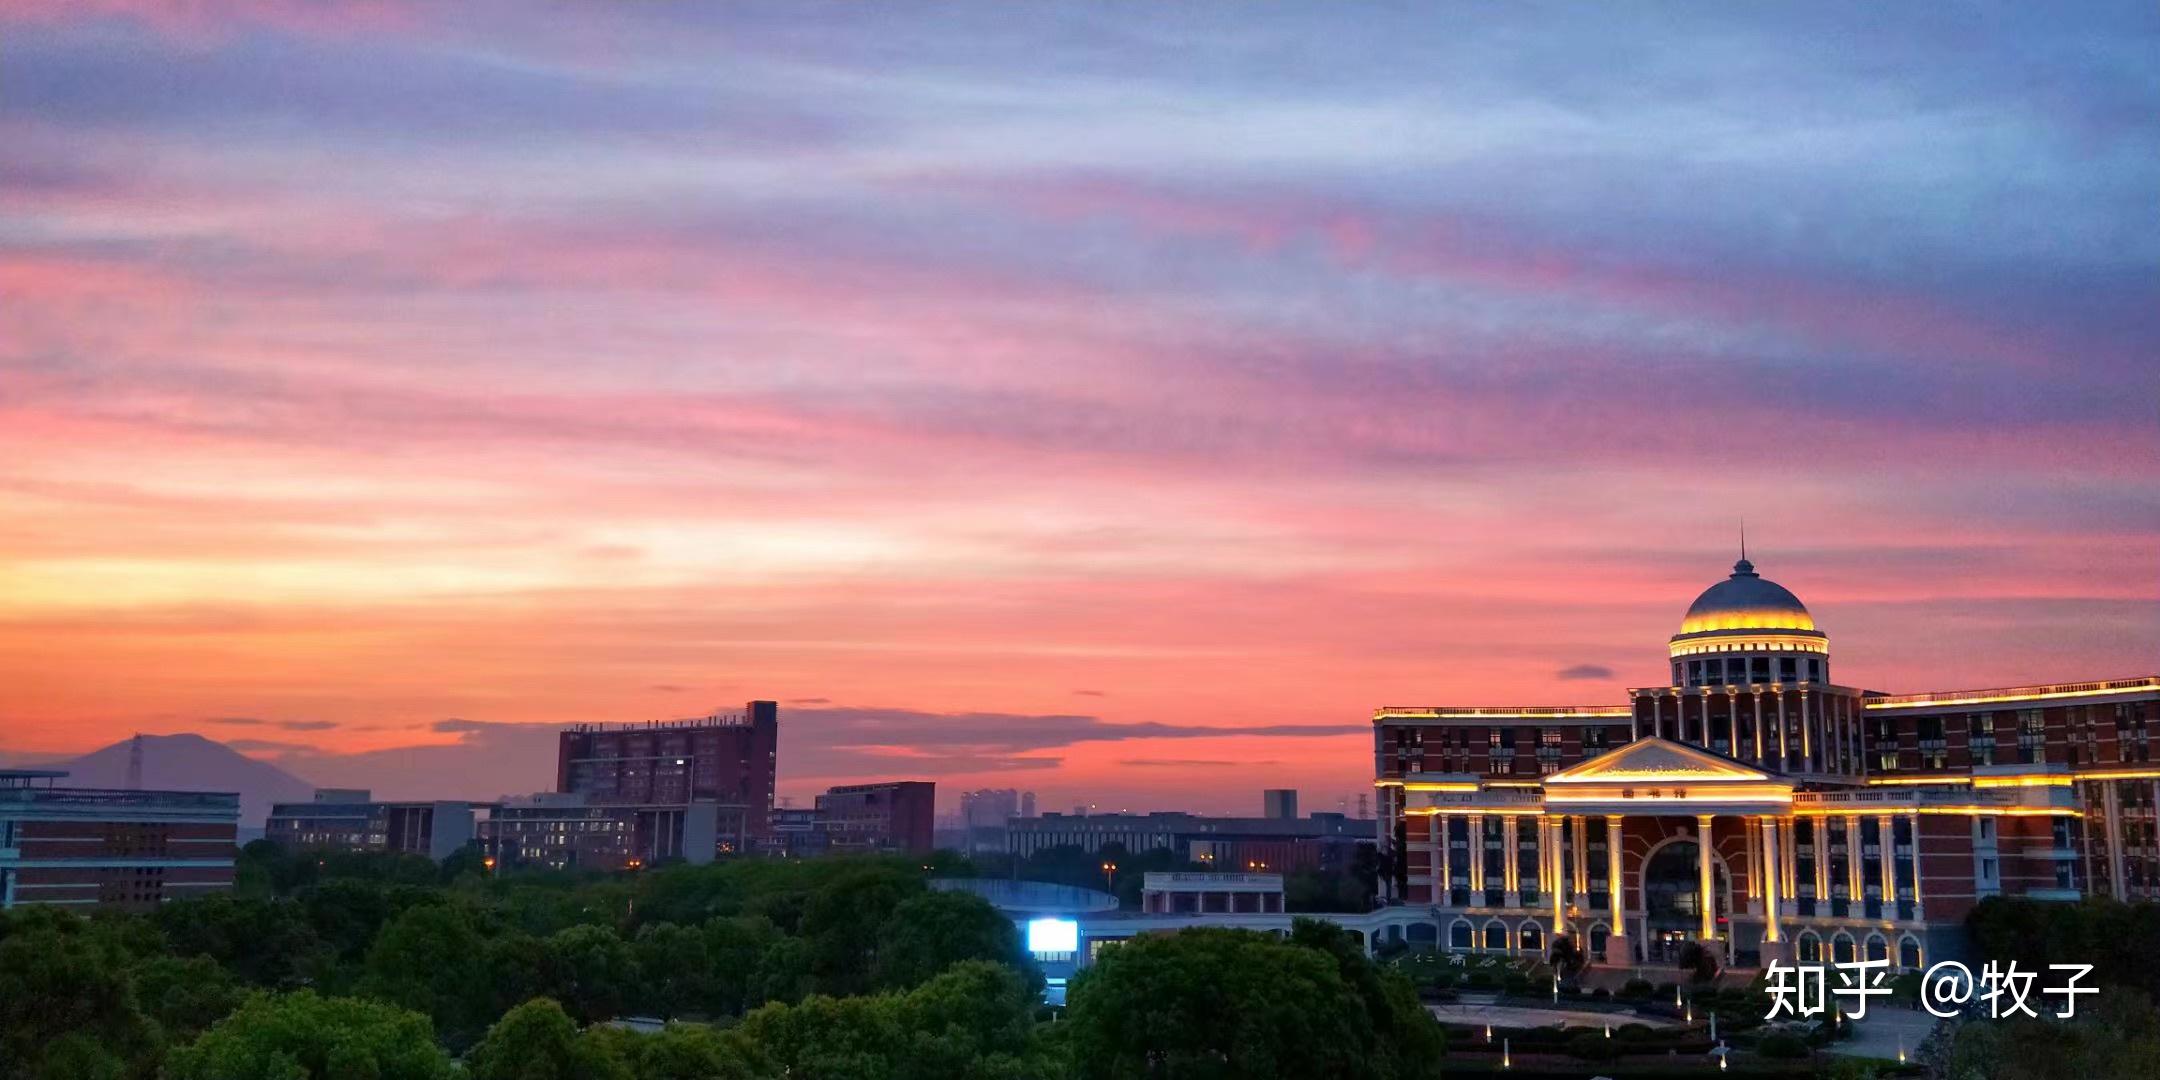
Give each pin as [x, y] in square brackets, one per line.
[1109, 871]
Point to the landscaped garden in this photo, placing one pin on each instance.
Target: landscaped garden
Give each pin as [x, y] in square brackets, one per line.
[1639, 1028]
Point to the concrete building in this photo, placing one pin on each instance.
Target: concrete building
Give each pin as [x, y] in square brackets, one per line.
[1278, 803]
[1756, 806]
[892, 816]
[350, 820]
[561, 831]
[1181, 893]
[1279, 845]
[719, 767]
[798, 833]
[107, 848]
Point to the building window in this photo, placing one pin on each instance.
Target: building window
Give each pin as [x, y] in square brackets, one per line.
[2032, 735]
[1983, 738]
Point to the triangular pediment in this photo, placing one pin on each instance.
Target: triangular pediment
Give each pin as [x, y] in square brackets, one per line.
[1654, 760]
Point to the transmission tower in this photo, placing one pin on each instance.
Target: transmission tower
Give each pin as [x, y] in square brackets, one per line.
[134, 777]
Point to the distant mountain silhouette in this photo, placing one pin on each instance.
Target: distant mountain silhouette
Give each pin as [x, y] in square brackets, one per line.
[191, 763]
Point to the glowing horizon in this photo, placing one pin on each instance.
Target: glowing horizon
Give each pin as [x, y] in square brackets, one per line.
[1023, 396]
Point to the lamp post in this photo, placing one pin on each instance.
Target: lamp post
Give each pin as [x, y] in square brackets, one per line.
[1109, 874]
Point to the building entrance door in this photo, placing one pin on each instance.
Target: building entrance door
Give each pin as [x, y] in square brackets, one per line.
[1672, 900]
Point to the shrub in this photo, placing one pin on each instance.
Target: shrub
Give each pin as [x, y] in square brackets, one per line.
[1782, 1045]
[1593, 1046]
[1516, 982]
[1601, 994]
[1479, 980]
[1635, 990]
[1636, 1032]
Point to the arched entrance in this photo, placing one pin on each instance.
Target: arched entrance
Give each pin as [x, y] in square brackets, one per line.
[1672, 901]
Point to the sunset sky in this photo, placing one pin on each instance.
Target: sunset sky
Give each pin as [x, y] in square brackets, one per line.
[1118, 401]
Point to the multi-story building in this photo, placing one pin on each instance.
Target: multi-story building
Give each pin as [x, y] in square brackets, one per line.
[986, 815]
[1281, 845]
[1186, 893]
[1278, 803]
[798, 833]
[562, 831]
[891, 816]
[100, 847]
[1757, 806]
[350, 820]
[724, 763]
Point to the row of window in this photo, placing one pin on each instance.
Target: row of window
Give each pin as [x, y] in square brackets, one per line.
[1734, 670]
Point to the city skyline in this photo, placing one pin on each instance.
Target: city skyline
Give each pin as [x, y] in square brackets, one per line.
[1119, 410]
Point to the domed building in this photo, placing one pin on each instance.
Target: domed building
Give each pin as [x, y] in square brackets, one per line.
[1753, 804]
[1748, 629]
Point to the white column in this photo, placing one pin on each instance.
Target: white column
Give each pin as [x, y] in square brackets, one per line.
[1918, 913]
[1771, 896]
[1702, 736]
[1511, 865]
[1446, 869]
[1477, 860]
[1806, 739]
[1579, 844]
[1732, 718]
[1856, 893]
[1634, 724]
[1759, 756]
[1709, 880]
[1885, 826]
[1615, 882]
[1553, 829]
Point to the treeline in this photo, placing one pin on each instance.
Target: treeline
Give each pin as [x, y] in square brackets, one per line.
[847, 967]
[2121, 941]
[2114, 1033]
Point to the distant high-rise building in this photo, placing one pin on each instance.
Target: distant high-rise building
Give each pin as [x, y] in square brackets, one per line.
[1027, 804]
[1278, 803]
[726, 763]
[892, 816]
[990, 807]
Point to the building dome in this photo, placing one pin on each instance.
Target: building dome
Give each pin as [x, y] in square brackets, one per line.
[1746, 601]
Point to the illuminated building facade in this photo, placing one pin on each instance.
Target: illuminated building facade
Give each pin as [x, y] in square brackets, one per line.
[1822, 822]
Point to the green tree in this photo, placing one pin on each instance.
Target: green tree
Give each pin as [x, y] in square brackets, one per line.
[973, 1022]
[676, 970]
[66, 1006]
[744, 973]
[538, 1041]
[592, 971]
[2116, 1034]
[687, 1052]
[185, 994]
[302, 1036]
[433, 960]
[842, 920]
[1207, 1003]
[1408, 1042]
[934, 930]
[266, 943]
